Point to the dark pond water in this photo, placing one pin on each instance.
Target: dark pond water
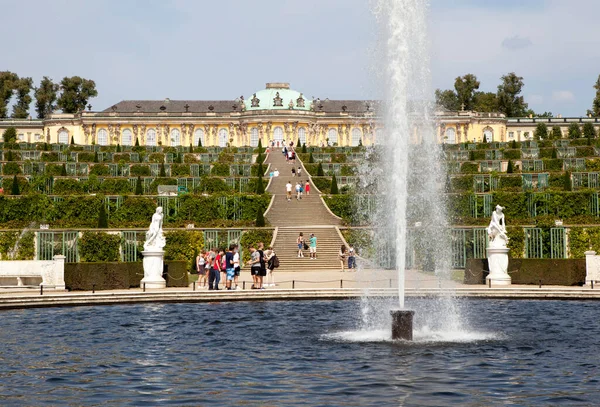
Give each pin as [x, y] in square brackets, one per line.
[312, 353]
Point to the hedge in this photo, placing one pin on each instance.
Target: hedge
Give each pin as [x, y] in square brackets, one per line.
[118, 276]
[341, 205]
[25, 247]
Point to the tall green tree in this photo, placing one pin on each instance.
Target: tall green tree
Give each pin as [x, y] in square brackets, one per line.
[8, 83]
[541, 132]
[10, 135]
[465, 87]
[23, 91]
[596, 103]
[75, 93]
[574, 131]
[45, 97]
[260, 218]
[447, 99]
[102, 217]
[486, 102]
[509, 100]
[334, 186]
[14, 190]
[260, 186]
[589, 130]
[556, 133]
[139, 190]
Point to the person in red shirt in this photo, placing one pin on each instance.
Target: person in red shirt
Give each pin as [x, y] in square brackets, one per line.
[307, 188]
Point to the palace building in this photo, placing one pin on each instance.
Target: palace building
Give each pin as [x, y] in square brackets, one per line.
[276, 113]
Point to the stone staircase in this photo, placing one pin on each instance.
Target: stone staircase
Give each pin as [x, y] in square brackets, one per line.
[308, 215]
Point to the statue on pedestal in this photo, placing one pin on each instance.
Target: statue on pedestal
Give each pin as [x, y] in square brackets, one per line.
[155, 238]
[497, 229]
[497, 251]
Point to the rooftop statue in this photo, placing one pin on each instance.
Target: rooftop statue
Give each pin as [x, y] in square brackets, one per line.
[497, 229]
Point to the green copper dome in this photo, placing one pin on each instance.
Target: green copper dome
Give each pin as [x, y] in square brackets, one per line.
[277, 96]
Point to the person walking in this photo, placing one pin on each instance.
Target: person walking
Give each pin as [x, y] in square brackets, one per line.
[288, 191]
[307, 188]
[312, 248]
[342, 256]
[351, 259]
[293, 172]
[299, 172]
[237, 268]
[300, 243]
[229, 267]
[298, 191]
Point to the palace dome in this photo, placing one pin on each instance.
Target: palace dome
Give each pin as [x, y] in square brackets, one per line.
[277, 96]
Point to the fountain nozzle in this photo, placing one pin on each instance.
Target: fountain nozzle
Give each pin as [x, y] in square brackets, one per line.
[402, 324]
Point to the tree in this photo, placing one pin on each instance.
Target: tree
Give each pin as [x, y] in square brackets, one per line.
[567, 185]
[311, 159]
[510, 167]
[556, 133]
[260, 186]
[304, 148]
[334, 186]
[96, 158]
[541, 131]
[137, 142]
[191, 149]
[10, 135]
[199, 142]
[574, 131]
[465, 87]
[486, 102]
[139, 190]
[102, 217]
[75, 93]
[63, 170]
[9, 156]
[259, 147]
[8, 83]
[45, 97]
[118, 148]
[596, 104]
[260, 218]
[320, 172]
[447, 99]
[554, 155]
[509, 101]
[589, 130]
[163, 173]
[23, 89]
[72, 140]
[514, 145]
[14, 190]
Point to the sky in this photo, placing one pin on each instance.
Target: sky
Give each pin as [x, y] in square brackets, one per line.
[220, 50]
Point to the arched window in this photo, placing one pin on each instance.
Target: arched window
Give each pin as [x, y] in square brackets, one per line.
[151, 137]
[278, 135]
[126, 137]
[356, 136]
[199, 137]
[175, 138]
[302, 135]
[332, 136]
[254, 137]
[102, 137]
[450, 136]
[488, 134]
[63, 137]
[223, 133]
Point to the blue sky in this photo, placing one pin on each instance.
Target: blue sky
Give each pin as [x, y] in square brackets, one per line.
[205, 49]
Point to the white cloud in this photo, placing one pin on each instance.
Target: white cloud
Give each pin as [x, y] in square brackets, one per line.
[563, 96]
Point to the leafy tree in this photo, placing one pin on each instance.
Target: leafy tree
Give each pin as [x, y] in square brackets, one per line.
[510, 168]
[596, 104]
[260, 218]
[102, 217]
[163, 173]
[14, 190]
[23, 89]
[45, 97]
[574, 131]
[138, 186]
[546, 115]
[8, 83]
[334, 186]
[486, 102]
[465, 87]
[509, 101]
[10, 135]
[541, 131]
[589, 130]
[260, 187]
[75, 93]
[556, 133]
[447, 99]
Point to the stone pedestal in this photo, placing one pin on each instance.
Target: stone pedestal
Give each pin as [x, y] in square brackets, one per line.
[402, 324]
[498, 262]
[592, 268]
[153, 269]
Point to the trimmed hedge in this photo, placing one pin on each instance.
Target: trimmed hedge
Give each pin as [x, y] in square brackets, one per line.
[118, 276]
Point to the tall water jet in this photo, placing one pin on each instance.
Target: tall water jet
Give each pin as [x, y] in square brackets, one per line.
[411, 218]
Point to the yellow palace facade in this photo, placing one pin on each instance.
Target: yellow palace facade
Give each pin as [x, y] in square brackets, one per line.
[275, 114]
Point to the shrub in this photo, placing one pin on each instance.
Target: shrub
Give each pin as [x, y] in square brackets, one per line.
[99, 246]
[178, 170]
[220, 169]
[67, 186]
[139, 170]
[115, 186]
[102, 217]
[512, 154]
[556, 133]
[589, 130]
[156, 158]
[11, 168]
[574, 131]
[341, 205]
[181, 245]
[323, 184]
[211, 185]
[100, 169]
[510, 167]
[541, 131]
[469, 168]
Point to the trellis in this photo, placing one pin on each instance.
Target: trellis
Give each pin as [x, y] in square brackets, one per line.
[532, 165]
[50, 244]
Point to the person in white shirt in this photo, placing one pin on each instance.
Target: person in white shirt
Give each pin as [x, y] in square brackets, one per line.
[288, 189]
[236, 266]
[298, 191]
[276, 173]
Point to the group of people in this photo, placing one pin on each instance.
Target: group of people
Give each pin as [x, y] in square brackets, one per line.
[345, 255]
[300, 189]
[215, 265]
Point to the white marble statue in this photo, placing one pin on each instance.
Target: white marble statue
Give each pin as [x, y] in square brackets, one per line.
[497, 229]
[155, 238]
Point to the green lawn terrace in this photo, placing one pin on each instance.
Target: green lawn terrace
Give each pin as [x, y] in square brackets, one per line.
[65, 185]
